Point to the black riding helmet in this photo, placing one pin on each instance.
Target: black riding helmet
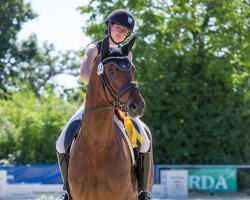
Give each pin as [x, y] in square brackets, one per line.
[122, 17]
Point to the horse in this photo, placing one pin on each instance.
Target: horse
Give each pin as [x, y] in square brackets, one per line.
[100, 165]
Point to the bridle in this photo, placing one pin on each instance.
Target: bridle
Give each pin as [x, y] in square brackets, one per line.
[116, 96]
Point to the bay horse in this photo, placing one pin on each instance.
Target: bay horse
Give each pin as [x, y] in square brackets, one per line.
[100, 166]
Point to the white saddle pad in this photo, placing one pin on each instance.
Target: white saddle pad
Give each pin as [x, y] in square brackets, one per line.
[120, 124]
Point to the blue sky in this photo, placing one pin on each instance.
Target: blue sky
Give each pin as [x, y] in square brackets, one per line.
[58, 22]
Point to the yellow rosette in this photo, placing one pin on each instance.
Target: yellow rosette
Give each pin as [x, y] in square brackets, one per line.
[133, 134]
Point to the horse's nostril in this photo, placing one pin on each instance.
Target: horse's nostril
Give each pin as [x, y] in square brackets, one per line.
[133, 106]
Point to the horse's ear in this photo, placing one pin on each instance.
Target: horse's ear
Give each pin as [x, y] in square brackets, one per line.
[126, 48]
[105, 48]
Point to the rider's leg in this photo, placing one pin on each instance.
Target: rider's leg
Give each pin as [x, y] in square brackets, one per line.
[144, 163]
[63, 146]
[63, 159]
[144, 168]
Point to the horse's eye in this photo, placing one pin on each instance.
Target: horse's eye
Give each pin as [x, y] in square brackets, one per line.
[111, 70]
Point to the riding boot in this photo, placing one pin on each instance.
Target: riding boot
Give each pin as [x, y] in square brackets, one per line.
[144, 166]
[63, 161]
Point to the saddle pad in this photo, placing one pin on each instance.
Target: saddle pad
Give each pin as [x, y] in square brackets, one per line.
[121, 126]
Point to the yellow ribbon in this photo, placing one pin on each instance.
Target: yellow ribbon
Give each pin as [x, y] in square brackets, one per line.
[133, 134]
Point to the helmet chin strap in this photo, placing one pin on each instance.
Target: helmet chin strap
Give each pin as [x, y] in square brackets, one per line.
[109, 32]
[117, 43]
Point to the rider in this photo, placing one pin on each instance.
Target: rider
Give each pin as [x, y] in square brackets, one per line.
[119, 26]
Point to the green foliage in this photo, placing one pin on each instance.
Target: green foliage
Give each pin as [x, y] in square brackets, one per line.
[12, 16]
[193, 61]
[30, 126]
[31, 116]
[37, 65]
[24, 61]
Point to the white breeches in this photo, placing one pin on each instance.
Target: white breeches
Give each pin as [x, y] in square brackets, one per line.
[60, 147]
[60, 144]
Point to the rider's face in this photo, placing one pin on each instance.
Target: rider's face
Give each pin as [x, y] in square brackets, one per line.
[119, 32]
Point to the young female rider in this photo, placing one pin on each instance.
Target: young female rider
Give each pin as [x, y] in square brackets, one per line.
[120, 24]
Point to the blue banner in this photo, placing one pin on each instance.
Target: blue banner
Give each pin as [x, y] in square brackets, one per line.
[39, 174]
[36, 174]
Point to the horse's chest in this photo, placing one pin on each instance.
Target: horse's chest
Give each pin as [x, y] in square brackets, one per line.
[104, 170]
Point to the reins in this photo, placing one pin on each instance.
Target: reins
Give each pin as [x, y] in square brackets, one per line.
[100, 109]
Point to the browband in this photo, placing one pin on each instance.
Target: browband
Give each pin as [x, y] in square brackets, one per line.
[122, 63]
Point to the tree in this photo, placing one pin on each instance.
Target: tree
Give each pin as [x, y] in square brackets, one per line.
[38, 66]
[12, 16]
[192, 60]
[24, 61]
[32, 113]
[30, 126]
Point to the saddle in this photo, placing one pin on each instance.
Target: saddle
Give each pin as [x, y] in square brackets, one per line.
[124, 125]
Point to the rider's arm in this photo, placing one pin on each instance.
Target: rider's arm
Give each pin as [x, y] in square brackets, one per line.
[88, 62]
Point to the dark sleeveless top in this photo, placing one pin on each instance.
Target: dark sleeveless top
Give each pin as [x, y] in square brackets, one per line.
[99, 46]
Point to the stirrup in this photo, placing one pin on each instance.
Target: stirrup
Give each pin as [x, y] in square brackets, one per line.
[60, 196]
[144, 194]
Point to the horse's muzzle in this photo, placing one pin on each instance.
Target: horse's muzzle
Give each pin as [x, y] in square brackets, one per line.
[136, 105]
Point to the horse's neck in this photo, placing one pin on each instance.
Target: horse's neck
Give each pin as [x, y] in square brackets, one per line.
[98, 126]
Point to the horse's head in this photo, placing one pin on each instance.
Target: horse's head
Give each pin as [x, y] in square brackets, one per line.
[114, 74]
